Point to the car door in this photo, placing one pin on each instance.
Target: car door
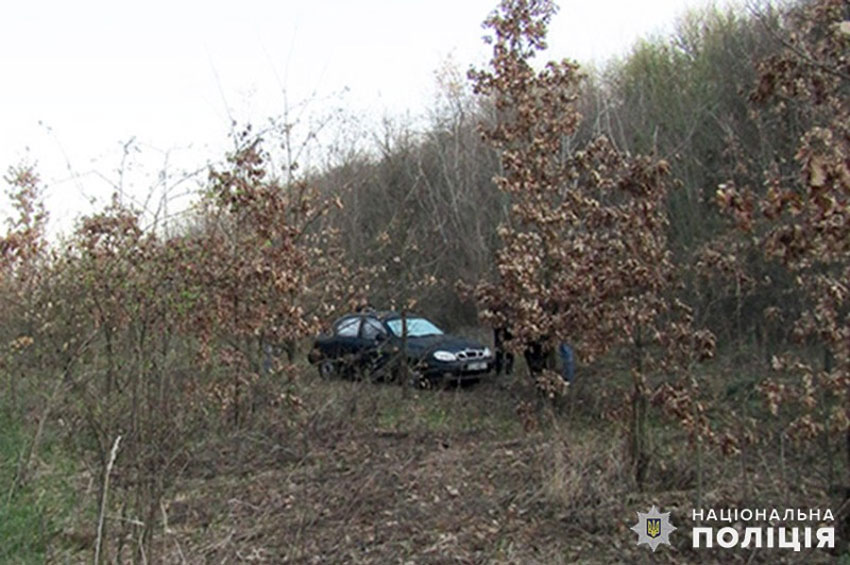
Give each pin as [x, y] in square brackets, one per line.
[374, 343]
[368, 338]
[347, 340]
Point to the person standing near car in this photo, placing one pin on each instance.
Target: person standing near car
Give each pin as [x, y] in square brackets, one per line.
[539, 356]
[504, 358]
[568, 369]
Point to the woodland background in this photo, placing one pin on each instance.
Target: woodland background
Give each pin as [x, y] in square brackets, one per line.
[680, 216]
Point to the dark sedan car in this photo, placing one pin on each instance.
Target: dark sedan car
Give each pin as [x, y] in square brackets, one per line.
[372, 343]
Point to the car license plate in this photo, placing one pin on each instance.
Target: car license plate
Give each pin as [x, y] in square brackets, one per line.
[478, 366]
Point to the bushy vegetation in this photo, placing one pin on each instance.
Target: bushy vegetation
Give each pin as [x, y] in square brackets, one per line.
[680, 217]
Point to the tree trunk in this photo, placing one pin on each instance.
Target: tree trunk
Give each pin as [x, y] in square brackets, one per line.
[640, 436]
[405, 367]
[639, 431]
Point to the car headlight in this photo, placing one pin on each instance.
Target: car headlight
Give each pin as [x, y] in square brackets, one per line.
[487, 352]
[445, 356]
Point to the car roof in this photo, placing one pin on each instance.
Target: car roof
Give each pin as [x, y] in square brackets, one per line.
[381, 315]
[391, 315]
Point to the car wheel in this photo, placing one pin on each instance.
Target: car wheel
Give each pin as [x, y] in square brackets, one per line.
[327, 369]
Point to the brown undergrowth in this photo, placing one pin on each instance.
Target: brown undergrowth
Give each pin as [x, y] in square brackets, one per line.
[366, 474]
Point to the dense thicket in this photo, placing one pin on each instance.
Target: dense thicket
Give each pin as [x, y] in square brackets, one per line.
[572, 208]
[125, 337]
[683, 99]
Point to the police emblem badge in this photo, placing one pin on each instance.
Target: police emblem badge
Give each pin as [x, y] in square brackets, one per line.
[653, 528]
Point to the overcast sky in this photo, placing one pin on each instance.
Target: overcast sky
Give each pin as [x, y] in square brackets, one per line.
[82, 78]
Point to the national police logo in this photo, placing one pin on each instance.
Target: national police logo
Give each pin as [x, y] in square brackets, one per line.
[653, 528]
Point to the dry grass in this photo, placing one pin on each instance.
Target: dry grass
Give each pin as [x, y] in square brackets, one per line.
[362, 473]
[583, 469]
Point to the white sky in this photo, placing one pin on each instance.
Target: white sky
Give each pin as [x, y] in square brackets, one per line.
[81, 78]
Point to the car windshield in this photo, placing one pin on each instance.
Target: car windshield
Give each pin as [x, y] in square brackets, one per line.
[416, 327]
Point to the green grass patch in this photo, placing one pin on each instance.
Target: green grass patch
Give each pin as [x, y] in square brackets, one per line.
[447, 411]
[31, 515]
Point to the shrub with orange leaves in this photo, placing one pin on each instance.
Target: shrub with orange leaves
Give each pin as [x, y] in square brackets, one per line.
[801, 218]
[585, 258]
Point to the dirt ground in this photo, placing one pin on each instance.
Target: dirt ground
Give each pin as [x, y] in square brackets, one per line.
[375, 475]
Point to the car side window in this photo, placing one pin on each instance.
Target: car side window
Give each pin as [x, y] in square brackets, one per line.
[372, 329]
[348, 327]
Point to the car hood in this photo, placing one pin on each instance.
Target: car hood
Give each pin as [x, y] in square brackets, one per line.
[451, 343]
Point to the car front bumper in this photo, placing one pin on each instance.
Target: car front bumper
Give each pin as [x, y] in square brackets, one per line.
[459, 370]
